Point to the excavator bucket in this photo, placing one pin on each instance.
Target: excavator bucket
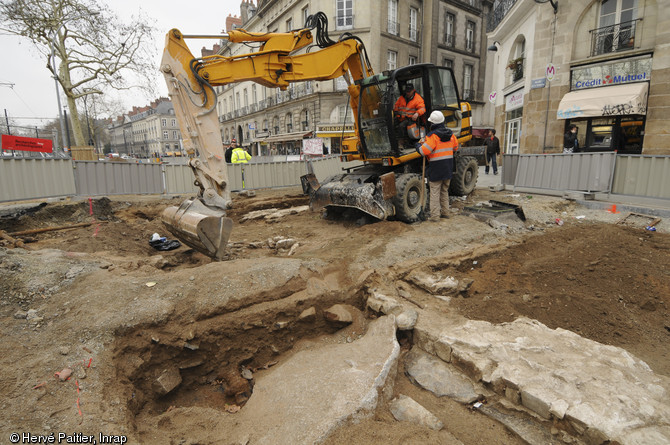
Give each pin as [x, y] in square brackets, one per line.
[205, 229]
[365, 192]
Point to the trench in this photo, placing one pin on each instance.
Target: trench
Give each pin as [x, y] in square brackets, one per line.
[211, 362]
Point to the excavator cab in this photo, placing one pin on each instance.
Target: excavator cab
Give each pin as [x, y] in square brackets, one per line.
[380, 135]
[389, 185]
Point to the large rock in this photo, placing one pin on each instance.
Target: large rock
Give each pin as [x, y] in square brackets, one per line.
[408, 410]
[436, 376]
[317, 390]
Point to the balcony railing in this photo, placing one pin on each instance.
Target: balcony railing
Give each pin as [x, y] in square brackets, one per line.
[613, 38]
[469, 95]
[499, 14]
[393, 27]
[470, 45]
[449, 40]
[517, 73]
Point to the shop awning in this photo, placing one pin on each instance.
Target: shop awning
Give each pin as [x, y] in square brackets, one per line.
[286, 137]
[617, 100]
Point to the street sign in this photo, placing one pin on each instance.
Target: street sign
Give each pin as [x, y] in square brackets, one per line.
[538, 83]
[10, 142]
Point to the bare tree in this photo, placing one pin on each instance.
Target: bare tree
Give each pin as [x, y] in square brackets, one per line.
[95, 50]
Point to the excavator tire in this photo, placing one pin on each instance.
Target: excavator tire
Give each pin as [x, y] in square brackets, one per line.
[464, 180]
[407, 200]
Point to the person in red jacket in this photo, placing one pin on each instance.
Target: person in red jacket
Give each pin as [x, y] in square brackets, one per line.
[438, 147]
[408, 108]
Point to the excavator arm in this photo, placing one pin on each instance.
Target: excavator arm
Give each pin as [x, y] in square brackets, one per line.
[202, 223]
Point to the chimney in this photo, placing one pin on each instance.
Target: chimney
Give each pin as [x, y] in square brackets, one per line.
[233, 22]
[244, 11]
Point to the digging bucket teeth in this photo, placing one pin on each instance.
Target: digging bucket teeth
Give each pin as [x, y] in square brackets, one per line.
[205, 229]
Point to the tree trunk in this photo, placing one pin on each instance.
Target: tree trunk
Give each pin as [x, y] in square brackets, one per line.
[75, 122]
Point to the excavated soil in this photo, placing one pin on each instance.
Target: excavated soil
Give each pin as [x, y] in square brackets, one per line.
[100, 300]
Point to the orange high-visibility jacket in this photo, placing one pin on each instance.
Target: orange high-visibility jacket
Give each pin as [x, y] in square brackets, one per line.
[435, 149]
[406, 109]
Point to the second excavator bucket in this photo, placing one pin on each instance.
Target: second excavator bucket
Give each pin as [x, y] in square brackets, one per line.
[205, 229]
[364, 191]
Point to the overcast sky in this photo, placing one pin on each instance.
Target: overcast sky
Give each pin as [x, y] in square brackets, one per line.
[34, 92]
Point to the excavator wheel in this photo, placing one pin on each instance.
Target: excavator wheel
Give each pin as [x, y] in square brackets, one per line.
[464, 180]
[407, 200]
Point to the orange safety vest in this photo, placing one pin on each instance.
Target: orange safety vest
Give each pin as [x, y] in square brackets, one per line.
[436, 150]
[406, 110]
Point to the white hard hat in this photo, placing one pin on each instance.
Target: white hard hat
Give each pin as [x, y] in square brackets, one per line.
[436, 117]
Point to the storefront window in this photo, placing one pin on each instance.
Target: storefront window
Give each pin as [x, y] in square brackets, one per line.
[512, 131]
[623, 134]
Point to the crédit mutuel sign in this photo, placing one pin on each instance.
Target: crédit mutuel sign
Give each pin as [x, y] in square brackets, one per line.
[613, 73]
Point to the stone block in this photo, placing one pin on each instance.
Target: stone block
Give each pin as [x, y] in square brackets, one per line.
[169, 379]
[406, 409]
[536, 402]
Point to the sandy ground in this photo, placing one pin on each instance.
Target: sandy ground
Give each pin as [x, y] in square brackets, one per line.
[100, 301]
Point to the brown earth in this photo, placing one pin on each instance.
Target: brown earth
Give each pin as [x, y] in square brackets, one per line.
[97, 314]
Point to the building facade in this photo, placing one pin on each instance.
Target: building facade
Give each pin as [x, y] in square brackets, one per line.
[602, 65]
[149, 131]
[396, 33]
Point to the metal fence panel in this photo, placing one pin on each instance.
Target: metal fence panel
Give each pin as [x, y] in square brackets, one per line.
[510, 164]
[117, 178]
[179, 179]
[641, 175]
[588, 172]
[27, 178]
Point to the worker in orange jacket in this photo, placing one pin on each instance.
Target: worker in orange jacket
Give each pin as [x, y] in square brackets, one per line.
[438, 147]
[408, 108]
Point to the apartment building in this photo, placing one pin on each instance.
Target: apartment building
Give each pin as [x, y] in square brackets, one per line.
[147, 131]
[395, 33]
[601, 65]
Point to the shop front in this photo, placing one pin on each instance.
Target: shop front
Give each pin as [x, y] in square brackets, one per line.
[608, 104]
[332, 136]
[513, 121]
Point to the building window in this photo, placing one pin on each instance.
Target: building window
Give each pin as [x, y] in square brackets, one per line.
[470, 36]
[391, 60]
[166, 135]
[448, 63]
[468, 92]
[304, 119]
[449, 20]
[164, 122]
[289, 25]
[289, 122]
[393, 26]
[515, 64]
[616, 30]
[345, 115]
[254, 97]
[345, 14]
[413, 23]
[305, 15]
[237, 100]
[175, 135]
[412, 60]
[174, 122]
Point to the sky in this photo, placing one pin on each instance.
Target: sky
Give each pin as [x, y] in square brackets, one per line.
[33, 94]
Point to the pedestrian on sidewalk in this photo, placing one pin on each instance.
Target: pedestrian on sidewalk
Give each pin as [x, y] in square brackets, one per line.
[492, 152]
[570, 143]
[438, 147]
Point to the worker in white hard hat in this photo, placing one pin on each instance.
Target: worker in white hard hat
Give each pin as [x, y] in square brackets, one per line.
[438, 147]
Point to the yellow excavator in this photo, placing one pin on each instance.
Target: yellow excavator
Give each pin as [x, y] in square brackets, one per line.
[388, 184]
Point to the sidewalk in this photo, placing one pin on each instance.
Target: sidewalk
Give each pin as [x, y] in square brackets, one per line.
[602, 201]
[484, 180]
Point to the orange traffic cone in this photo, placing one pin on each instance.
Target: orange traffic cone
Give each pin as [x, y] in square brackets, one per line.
[613, 209]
